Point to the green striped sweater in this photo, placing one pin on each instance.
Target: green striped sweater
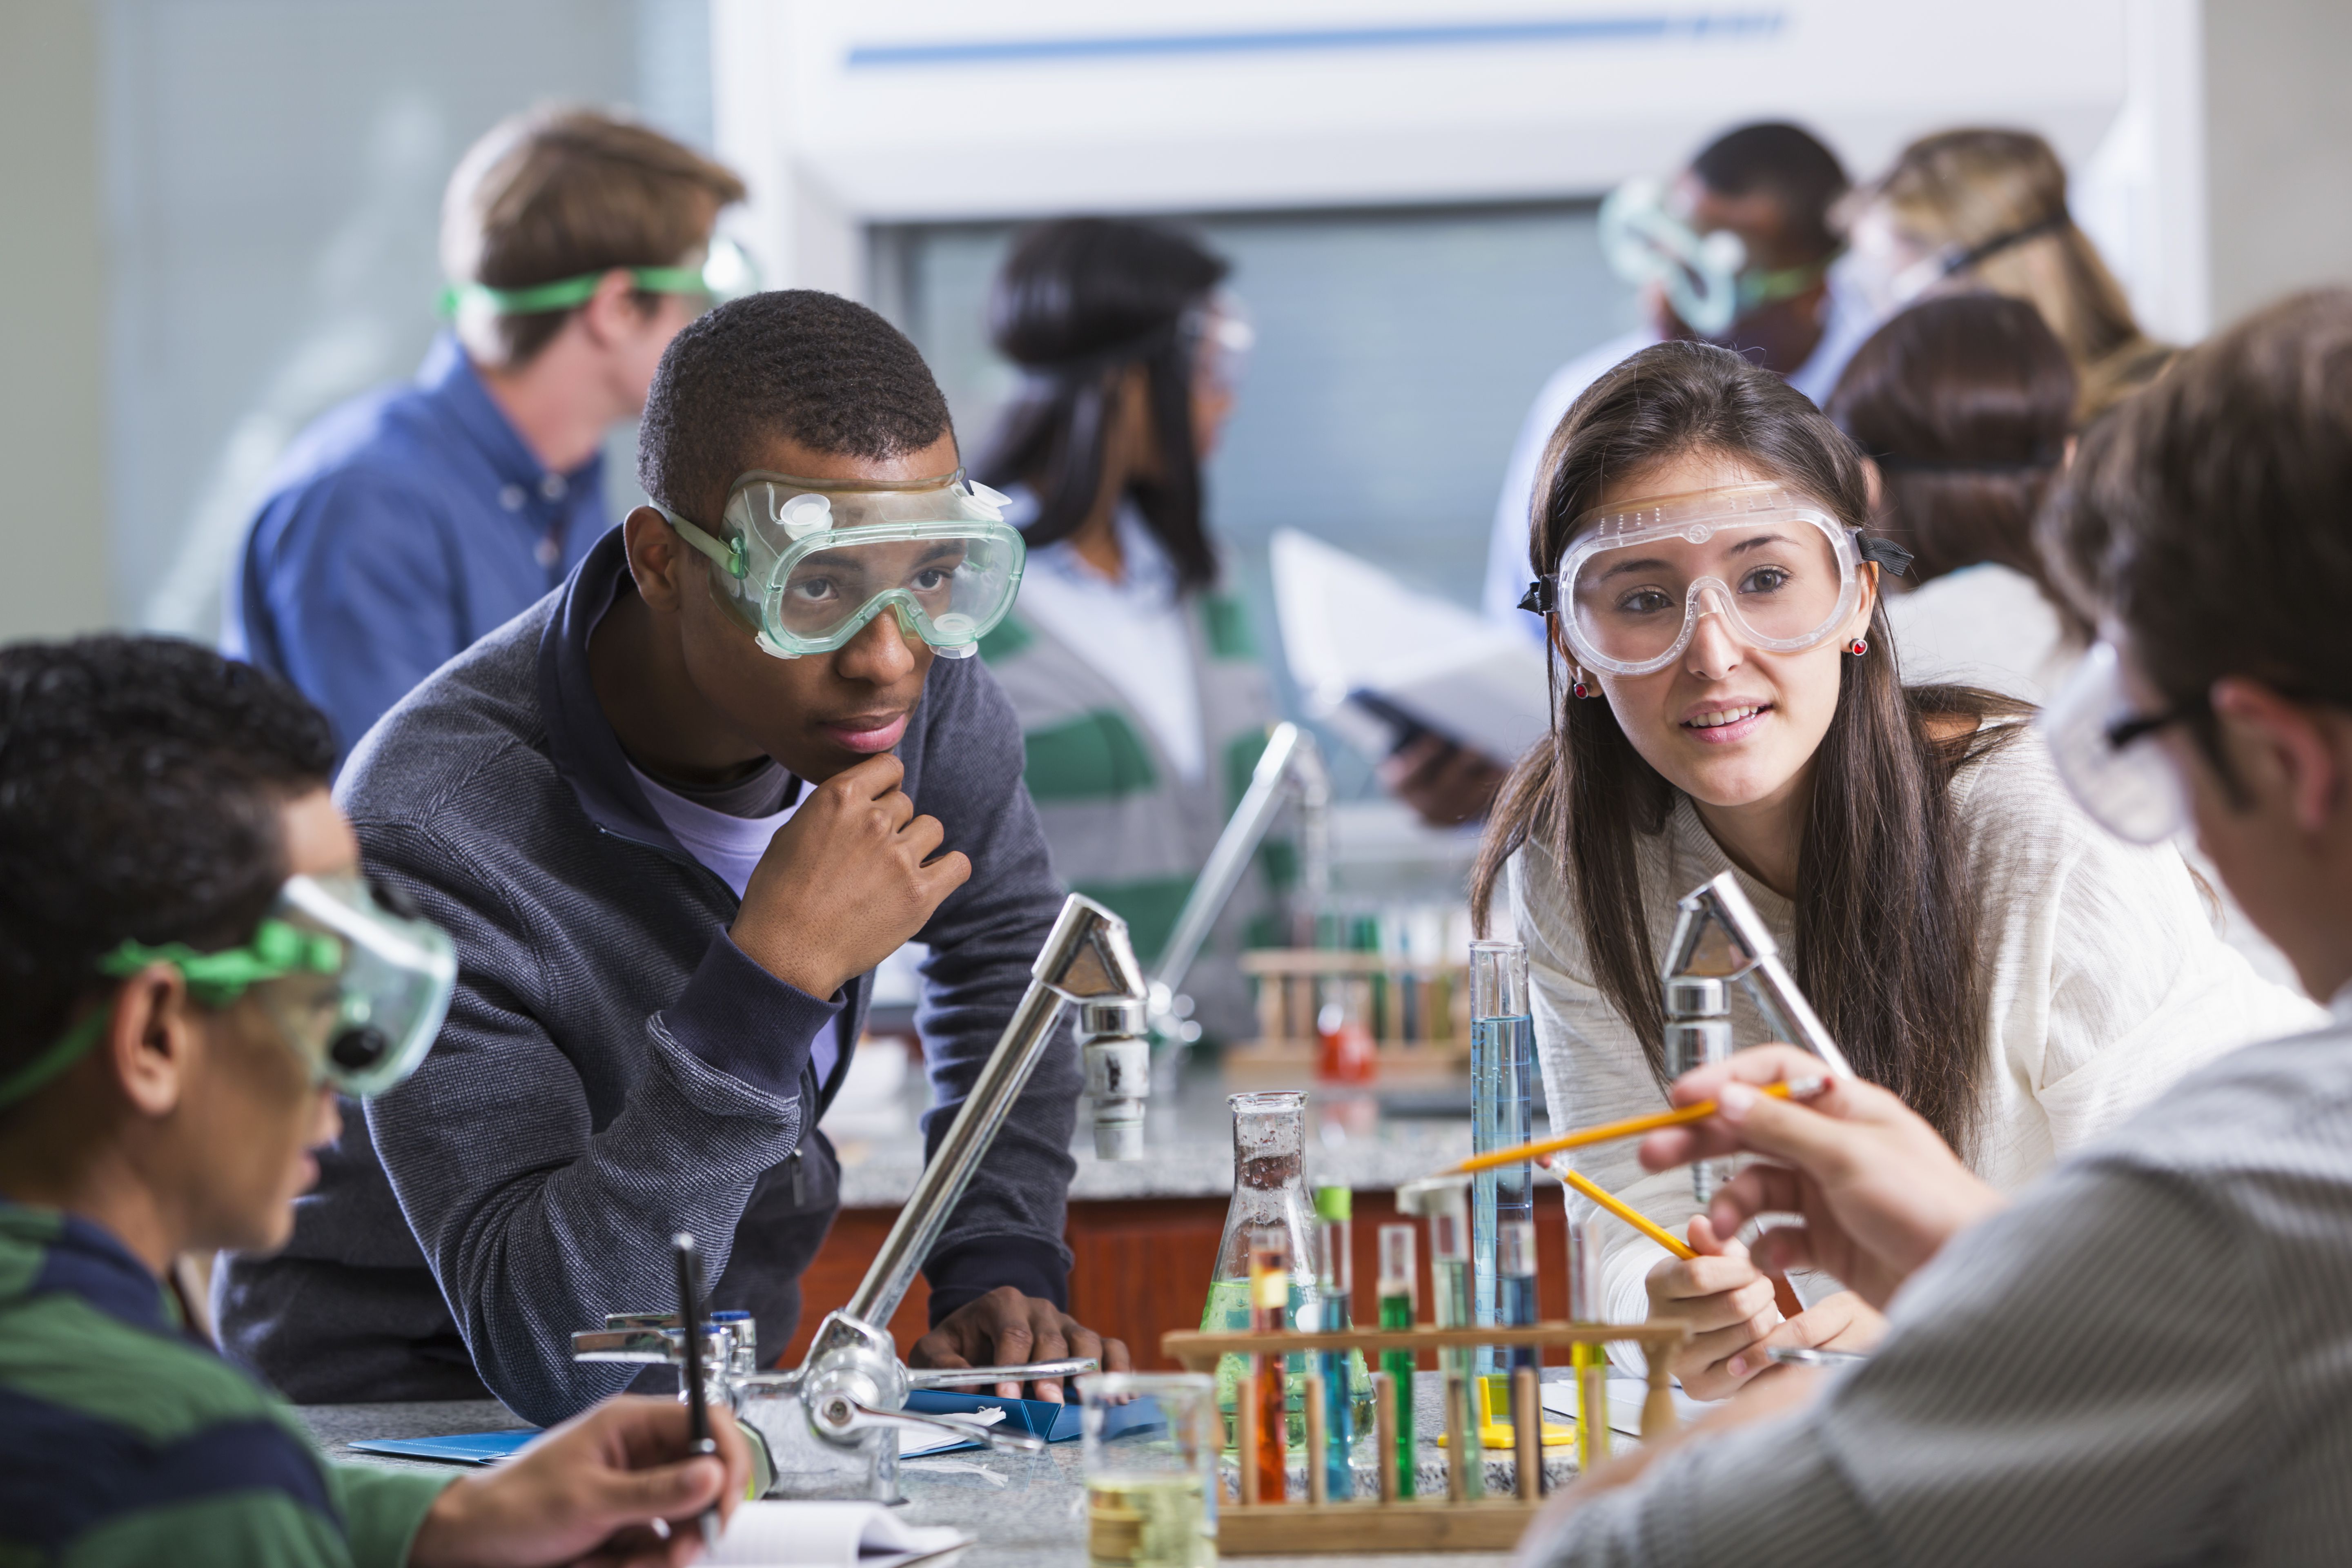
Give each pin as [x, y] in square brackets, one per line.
[124, 1439]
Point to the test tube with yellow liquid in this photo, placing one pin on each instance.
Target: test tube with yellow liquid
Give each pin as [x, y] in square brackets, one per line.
[1590, 1362]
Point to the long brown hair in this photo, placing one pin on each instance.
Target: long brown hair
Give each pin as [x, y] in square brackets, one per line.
[2000, 195]
[1885, 940]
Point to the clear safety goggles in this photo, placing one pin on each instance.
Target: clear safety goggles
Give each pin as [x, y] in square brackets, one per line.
[1636, 580]
[358, 990]
[726, 272]
[2100, 747]
[806, 563]
[1705, 276]
[1222, 338]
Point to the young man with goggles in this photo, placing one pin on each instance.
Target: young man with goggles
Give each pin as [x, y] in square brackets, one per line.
[412, 520]
[196, 970]
[673, 817]
[2146, 1357]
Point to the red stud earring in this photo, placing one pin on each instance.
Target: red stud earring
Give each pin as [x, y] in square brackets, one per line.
[1857, 648]
[1582, 688]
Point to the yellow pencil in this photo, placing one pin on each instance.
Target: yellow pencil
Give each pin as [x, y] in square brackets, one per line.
[1631, 1127]
[1631, 1215]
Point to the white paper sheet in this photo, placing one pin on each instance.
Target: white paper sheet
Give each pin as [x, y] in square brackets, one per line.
[913, 1443]
[1348, 626]
[830, 1536]
[1625, 1397]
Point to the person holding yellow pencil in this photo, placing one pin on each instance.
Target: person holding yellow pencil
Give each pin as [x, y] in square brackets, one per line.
[2144, 1356]
[1730, 698]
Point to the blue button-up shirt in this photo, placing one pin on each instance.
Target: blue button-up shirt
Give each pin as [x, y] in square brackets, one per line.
[397, 529]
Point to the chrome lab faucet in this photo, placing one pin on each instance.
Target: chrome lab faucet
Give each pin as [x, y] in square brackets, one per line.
[829, 1428]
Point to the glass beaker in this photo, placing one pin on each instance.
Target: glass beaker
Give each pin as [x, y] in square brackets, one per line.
[1150, 1455]
[1502, 1114]
[1269, 1191]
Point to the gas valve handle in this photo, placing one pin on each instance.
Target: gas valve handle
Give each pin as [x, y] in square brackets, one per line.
[1029, 1372]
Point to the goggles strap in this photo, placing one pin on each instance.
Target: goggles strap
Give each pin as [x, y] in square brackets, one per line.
[564, 293]
[214, 979]
[1542, 596]
[36, 1075]
[728, 556]
[1882, 552]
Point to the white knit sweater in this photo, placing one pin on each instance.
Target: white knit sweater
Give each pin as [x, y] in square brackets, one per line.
[2105, 982]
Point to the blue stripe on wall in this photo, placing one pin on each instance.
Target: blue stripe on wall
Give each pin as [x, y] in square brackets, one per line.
[1557, 30]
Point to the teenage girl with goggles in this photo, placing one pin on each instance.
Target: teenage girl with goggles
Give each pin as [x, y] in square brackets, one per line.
[1728, 697]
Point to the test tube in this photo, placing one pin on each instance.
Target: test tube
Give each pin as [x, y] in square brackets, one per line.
[1269, 1287]
[1336, 1281]
[1590, 1362]
[1514, 1299]
[1399, 1292]
[1447, 1205]
[1698, 1031]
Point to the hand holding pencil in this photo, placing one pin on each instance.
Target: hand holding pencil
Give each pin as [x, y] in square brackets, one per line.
[1878, 1189]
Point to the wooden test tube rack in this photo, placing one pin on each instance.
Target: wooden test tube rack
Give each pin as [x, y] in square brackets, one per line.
[1392, 1523]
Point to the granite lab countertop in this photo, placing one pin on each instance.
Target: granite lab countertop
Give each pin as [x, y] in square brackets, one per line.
[1351, 1139]
[1027, 1510]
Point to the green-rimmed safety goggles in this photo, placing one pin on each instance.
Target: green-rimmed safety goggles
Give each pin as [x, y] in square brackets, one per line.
[726, 273]
[358, 990]
[805, 563]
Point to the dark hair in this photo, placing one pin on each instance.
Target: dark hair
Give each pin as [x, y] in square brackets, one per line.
[1078, 302]
[1885, 926]
[1788, 164]
[2209, 513]
[140, 784]
[1965, 403]
[821, 370]
[556, 192]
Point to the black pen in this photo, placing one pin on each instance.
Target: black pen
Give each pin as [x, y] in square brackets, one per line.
[697, 1405]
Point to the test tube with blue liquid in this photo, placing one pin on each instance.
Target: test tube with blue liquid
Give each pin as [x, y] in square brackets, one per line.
[1502, 1115]
[1335, 1276]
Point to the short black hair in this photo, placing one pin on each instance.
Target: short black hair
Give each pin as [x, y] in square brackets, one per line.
[825, 371]
[1787, 163]
[139, 784]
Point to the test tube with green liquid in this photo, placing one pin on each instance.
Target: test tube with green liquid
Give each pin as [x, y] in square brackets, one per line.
[1335, 1210]
[1448, 1208]
[1400, 1292]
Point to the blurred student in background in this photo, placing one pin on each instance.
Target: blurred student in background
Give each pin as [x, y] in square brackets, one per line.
[2020, 979]
[1987, 209]
[1965, 405]
[1142, 700]
[404, 524]
[1774, 186]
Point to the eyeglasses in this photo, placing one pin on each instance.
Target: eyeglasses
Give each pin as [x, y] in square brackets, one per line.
[2095, 739]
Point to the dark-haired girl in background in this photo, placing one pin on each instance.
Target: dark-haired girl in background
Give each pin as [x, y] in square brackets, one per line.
[1966, 405]
[1727, 702]
[1142, 701]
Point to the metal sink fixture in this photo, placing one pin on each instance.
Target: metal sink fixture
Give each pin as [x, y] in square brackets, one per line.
[829, 1427]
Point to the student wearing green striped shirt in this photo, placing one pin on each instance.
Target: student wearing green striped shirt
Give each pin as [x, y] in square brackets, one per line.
[1142, 700]
[195, 969]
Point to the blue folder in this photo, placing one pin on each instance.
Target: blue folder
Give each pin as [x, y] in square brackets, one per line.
[1038, 1417]
[466, 1448]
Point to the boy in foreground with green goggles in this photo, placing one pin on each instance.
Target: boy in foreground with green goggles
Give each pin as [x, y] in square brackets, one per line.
[195, 970]
[672, 816]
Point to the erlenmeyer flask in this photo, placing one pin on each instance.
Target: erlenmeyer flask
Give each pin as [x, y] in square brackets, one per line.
[1269, 1190]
